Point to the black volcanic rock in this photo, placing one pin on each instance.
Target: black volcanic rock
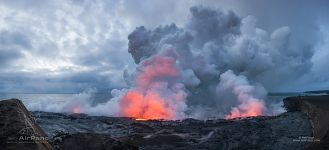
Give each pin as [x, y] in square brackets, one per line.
[317, 109]
[92, 141]
[18, 129]
[263, 132]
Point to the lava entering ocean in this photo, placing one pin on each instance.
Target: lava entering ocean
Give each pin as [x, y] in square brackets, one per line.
[250, 109]
[159, 94]
[156, 94]
[244, 92]
[150, 106]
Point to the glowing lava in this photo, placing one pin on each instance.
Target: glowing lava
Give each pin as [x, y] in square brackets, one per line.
[150, 106]
[76, 110]
[249, 105]
[156, 93]
[141, 119]
[249, 109]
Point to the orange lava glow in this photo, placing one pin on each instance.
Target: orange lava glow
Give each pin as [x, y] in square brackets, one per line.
[76, 110]
[149, 106]
[250, 109]
[145, 101]
[141, 119]
[156, 68]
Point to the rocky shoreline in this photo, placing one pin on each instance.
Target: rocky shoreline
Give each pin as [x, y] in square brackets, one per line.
[303, 126]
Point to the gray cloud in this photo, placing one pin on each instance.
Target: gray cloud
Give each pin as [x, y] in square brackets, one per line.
[49, 46]
[11, 46]
[7, 56]
[88, 40]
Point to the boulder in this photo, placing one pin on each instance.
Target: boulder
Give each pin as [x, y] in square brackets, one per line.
[18, 130]
[317, 110]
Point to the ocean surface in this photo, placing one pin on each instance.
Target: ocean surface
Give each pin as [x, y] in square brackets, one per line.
[27, 97]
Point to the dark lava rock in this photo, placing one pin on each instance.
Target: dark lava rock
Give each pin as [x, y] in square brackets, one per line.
[317, 109]
[18, 130]
[300, 128]
[91, 141]
[262, 132]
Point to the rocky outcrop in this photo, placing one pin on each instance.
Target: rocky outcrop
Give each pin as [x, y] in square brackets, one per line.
[317, 109]
[18, 130]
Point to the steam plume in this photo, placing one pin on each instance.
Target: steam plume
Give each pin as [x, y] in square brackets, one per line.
[244, 92]
[217, 65]
[205, 47]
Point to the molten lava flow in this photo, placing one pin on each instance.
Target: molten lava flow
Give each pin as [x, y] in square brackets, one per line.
[141, 119]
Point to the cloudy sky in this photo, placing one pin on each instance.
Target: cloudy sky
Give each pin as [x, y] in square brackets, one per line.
[71, 45]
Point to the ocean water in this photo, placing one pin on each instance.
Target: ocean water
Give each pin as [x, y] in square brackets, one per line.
[56, 98]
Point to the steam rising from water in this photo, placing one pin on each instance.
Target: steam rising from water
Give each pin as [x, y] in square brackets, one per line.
[244, 92]
[212, 46]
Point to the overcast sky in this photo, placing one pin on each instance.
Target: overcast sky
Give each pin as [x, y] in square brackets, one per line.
[71, 45]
